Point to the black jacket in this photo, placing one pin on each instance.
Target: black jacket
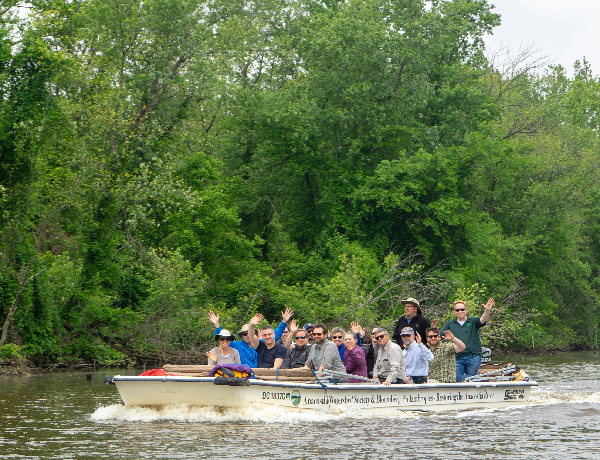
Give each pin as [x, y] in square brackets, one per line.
[295, 357]
[418, 324]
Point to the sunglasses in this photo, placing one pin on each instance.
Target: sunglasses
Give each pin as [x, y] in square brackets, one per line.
[379, 337]
[336, 337]
[317, 333]
[224, 339]
[301, 337]
[433, 336]
[459, 309]
[243, 334]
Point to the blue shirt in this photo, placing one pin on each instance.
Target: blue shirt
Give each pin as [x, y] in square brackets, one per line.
[247, 353]
[416, 360]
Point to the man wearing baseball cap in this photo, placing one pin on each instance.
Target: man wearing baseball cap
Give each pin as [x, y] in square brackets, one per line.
[416, 357]
[412, 318]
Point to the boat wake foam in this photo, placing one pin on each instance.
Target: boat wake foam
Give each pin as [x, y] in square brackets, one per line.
[195, 414]
[539, 397]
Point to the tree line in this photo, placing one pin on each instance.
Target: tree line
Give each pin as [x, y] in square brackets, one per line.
[164, 158]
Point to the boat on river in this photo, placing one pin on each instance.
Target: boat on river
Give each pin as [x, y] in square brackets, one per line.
[300, 390]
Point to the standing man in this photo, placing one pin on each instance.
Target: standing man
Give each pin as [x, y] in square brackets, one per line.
[413, 318]
[443, 366]
[416, 357]
[269, 353]
[466, 329]
[389, 367]
[324, 354]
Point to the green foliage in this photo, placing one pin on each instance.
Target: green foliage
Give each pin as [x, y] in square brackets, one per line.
[10, 352]
[167, 158]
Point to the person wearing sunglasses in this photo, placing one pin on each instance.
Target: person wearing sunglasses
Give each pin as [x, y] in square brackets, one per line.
[338, 333]
[324, 354]
[389, 367]
[371, 348]
[297, 353]
[223, 354]
[443, 366]
[243, 347]
[247, 353]
[413, 318]
[466, 328]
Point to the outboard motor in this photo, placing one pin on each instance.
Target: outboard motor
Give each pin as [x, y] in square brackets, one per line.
[487, 355]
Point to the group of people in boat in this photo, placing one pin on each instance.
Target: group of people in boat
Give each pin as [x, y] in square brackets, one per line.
[417, 350]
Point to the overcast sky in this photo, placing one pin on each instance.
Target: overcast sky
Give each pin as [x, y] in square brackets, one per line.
[565, 30]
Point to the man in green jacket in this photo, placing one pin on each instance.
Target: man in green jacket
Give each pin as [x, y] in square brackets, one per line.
[466, 329]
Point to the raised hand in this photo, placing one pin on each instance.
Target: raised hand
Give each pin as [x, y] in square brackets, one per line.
[355, 327]
[256, 319]
[286, 315]
[448, 334]
[490, 303]
[293, 327]
[213, 319]
[418, 336]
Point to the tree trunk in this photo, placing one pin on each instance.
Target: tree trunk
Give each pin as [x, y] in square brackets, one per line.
[23, 280]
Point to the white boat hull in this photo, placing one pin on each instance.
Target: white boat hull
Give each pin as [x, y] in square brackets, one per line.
[372, 399]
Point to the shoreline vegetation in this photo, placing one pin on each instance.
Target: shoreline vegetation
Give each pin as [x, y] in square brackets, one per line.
[167, 158]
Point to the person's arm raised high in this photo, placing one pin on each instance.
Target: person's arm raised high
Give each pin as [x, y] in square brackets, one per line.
[487, 309]
[285, 317]
[293, 329]
[214, 319]
[252, 332]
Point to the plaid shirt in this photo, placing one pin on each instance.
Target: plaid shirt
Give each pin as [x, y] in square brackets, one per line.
[443, 366]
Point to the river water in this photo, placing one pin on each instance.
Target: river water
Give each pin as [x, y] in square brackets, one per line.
[64, 416]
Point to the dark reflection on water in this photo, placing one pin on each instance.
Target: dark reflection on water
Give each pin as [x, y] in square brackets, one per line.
[64, 416]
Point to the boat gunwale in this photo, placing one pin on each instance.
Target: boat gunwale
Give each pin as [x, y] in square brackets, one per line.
[329, 386]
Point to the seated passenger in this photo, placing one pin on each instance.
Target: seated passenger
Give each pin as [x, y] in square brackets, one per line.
[389, 366]
[308, 327]
[244, 348]
[443, 366]
[324, 354]
[269, 354]
[223, 354]
[355, 360]
[416, 357]
[371, 347]
[296, 355]
[337, 337]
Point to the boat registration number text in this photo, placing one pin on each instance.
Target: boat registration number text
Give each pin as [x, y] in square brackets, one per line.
[275, 395]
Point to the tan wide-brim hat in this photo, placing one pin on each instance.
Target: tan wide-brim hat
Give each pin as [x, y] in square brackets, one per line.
[244, 329]
[415, 302]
